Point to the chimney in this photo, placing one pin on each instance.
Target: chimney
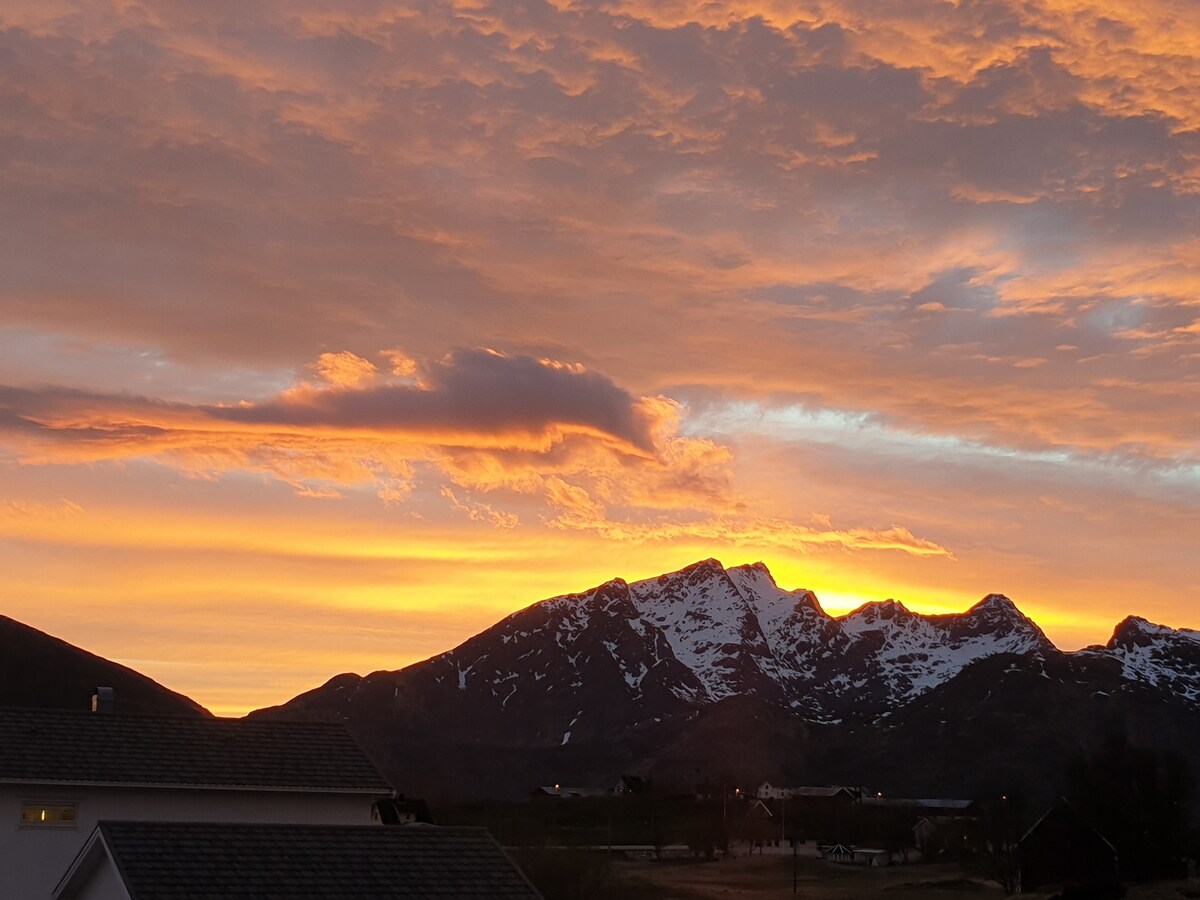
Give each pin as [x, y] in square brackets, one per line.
[102, 700]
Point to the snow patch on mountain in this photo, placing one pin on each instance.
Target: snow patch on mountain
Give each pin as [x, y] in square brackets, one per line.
[704, 618]
[915, 653]
[1158, 655]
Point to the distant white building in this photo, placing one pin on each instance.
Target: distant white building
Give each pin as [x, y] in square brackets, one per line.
[768, 791]
[63, 772]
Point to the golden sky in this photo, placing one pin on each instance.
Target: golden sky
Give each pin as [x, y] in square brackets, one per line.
[330, 333]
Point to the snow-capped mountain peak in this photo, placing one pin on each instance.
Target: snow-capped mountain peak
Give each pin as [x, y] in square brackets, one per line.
[875, 615]
[996, 605]
[705, 633]
[1156, 654]
[634, 661]
[908, 653]
[664, 647]
[1136, 630]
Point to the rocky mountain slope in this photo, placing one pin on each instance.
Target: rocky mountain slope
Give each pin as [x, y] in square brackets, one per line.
[1156, 655]
[709, 667]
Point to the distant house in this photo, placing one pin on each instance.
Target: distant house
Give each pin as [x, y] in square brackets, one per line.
[935, 826]
[872, 856]
[812, 811]
[629, 784]
[562, 792]
[307, 862]
[838, 853]
[925, 807]
[757, 818]
[925, 833]
[1064, 848]
[768, 791]
[855, 856]
[757, 824]
[62, 772]
[942, 833]
[925, 817]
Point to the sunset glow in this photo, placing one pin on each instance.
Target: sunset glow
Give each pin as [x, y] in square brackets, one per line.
[333, 333]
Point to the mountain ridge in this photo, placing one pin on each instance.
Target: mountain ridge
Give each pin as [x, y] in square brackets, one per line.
[627, 674]
[718, 675]
[901, 632]
[40, 670]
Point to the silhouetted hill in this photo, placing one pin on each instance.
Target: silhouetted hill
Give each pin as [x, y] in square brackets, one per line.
[39, 670]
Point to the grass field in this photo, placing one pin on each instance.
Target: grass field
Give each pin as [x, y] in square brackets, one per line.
[770, 878]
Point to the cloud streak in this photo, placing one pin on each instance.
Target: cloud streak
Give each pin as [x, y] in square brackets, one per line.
[479, 401]
[601, 461]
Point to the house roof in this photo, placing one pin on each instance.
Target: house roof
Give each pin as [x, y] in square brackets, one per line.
[760, 804]
[820, 791]
[1065, 809]
[51, 746]
[188, 861]
[929, 804]
[554, 790]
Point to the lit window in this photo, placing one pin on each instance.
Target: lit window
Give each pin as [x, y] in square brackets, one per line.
[62, 815]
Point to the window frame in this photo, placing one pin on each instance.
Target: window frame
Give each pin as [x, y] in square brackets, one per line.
[44, 805]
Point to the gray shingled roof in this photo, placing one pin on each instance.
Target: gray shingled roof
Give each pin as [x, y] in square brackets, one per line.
[820, 791]
[931, 804]
[49, 746]
[169, 861]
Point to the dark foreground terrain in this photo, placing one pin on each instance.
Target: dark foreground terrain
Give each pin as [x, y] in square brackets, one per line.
[770, 878]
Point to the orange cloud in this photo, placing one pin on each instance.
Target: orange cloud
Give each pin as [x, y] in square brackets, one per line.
[515, 411]
[580, 512]
[601, 460]
[345, 369]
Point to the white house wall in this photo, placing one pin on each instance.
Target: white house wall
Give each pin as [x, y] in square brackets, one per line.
[103, 884]
[34, 858]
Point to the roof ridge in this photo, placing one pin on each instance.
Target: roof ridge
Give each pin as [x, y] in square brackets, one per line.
[64, 747]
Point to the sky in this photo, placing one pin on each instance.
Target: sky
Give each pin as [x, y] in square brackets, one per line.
[333, 332]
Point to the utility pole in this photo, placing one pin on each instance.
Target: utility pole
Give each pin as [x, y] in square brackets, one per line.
[724, 816]
[795, 867]
[610, 817]
[655, 839]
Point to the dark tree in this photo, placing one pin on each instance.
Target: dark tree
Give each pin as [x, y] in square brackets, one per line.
[703, 835]
[1138, 798]
[1003, 822]
[896, 832]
